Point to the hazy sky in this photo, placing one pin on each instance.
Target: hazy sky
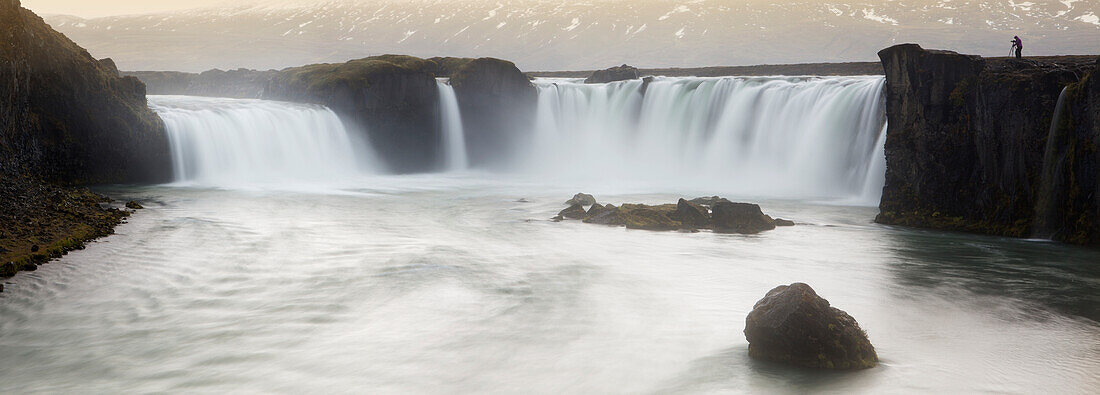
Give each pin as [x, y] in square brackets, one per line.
[94, 8]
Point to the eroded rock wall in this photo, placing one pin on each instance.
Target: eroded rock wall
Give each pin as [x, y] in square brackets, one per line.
[967, 141]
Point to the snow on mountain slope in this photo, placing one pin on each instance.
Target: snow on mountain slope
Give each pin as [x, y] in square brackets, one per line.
[556, 35]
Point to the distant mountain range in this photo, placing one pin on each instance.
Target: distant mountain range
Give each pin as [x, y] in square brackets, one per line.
[570, 35]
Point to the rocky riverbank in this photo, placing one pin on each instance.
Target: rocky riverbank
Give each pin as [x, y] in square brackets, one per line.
[67, 120]
[972, 144]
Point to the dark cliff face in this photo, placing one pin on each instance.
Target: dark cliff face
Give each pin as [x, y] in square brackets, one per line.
[67, 117]
[393, 98]
[498, 106]
[967, 138]
[239, 84]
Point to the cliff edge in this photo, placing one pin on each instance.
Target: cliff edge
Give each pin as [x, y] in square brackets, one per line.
[968, 142]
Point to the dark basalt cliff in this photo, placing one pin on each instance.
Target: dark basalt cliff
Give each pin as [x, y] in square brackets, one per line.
[970, 145]
[617, 73]
[67, 117]
[498, 106]
[239, 84]
[393, 98]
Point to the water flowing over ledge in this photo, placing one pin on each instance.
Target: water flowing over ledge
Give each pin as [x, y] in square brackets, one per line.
[800, 137]
[232, 142]
[454, 138]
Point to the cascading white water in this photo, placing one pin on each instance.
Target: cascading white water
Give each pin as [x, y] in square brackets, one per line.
[768, 136]
[454, 138]
[232, 142]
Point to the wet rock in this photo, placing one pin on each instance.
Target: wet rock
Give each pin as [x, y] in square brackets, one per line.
[783, 222]
[743, 218]
[583, 199]
[597, 209]
[576, 211]
[29, 267]
[692, 215]
[618, 73]
[793, 325]
[640, 216]
[34, 248]
[708, 201]
[523, 200]
[8, 269]
[134, 205]
[603, 215]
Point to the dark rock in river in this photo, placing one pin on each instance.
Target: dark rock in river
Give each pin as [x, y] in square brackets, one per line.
[618, 73]
[575, 211]
[134, 205]
[692, 215]
[583, 199]
[740, 218]
[603, 215]
[971, 144]
[783, 222]
[7, 269]
[68, 117]
[640, 216]
[792, 324]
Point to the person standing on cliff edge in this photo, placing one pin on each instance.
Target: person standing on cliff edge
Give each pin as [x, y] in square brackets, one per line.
[1018, 46]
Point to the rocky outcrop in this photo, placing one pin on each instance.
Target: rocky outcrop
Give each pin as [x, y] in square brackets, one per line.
[720, 215]
[793, 325]
[498, 103]
[239, 84]
[583, 199]
[617, 73]
[394, 97]
[68, 117]
[968, 142]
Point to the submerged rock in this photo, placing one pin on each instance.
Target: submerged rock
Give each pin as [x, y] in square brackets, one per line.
[793, 325]
[583, 199]
[134, 205]
[783, 222]
[576, 211]
[743, 218]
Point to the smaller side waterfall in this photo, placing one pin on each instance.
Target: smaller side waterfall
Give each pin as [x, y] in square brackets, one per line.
[454, 138]
[1048, 204]
[231, 142]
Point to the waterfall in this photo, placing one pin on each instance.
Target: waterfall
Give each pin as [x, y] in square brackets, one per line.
[232, 142]
[454, 139]
[763, 136]
[1048, 205]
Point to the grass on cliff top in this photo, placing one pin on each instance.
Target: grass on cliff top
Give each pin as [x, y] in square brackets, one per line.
[356, 72]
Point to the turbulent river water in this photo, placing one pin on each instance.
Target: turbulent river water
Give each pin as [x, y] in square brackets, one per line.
[237, 279]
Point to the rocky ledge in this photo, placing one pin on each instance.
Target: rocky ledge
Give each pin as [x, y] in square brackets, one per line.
[66, 119]
[793, 325]
[982, 145]
[714, 213]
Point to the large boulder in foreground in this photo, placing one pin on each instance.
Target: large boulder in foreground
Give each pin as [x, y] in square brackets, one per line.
[617, 73]
[791, 324]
